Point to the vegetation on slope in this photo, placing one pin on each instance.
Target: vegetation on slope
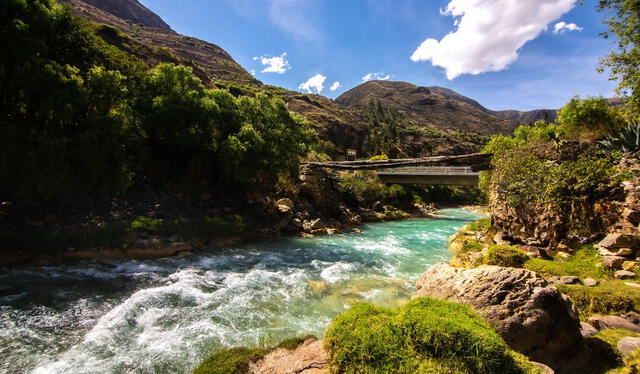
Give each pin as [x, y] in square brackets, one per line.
[103, 117]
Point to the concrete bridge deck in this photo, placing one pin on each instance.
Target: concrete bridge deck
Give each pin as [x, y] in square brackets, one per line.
[444, 175]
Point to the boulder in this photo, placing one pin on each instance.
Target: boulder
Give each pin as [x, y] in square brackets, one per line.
[283, 209]
[501, 239]
[534, 252]
[587, 330]
[627, 345]
[632, 284]
[613, 241]
[624, 274]
[631, 215]
[567, 279]
[531, 316]
[309, 357]
[314, 224]
[624, 252]
[286, 202]
[612, 322]
[613, 262]
[590, 282]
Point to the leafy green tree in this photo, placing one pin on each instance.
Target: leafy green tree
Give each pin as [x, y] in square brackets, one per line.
[178, 114]
[270, 141]
[624, 61]
[588, 118]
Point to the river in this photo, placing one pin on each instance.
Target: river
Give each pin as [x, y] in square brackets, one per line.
[165, 315]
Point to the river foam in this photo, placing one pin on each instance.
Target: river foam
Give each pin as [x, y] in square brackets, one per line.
[165, 315]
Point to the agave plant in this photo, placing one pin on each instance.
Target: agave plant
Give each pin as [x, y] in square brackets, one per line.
[626, 140]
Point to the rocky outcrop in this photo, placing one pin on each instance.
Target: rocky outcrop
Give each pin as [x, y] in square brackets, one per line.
[308, 358]
[565, 228]
[531, 316]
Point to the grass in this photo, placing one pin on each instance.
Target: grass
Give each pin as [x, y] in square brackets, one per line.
[483, 224]
[238, 360]
[584, 263]
[604, 356]
[424, 336]
[505, 255]
[608, 297]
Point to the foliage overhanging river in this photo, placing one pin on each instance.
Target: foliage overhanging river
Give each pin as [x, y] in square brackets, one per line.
[165, 315]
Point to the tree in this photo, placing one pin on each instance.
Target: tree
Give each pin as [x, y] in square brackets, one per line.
[587, 118]
[624, 61]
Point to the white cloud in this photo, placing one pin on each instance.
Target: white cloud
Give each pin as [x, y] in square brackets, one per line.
[252, 71]
[376, 76]
[335, 86]
[275, 64]
[488, 33]
[314, 84]
[561, 27]
[294, 17]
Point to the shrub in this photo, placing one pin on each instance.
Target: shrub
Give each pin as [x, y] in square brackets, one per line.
[505, 255]
[591, 117]
[424, 336]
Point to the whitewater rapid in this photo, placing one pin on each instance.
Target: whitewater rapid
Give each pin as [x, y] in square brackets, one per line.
[166, 315]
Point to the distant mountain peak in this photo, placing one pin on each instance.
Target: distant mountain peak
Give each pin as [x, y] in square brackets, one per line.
[431, 107]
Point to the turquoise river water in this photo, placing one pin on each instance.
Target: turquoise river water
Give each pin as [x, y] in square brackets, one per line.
[165, 315]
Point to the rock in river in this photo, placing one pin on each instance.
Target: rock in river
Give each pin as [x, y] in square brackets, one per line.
[533, 317]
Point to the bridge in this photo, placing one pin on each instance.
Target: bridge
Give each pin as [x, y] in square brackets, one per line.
[461, 170]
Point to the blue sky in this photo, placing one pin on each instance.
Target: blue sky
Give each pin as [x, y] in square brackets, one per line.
[506, 54]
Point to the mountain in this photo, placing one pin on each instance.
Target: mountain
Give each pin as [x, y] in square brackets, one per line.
[152, 40]
[130, 10]
[436, 107]
[440, 121]
[525, 117]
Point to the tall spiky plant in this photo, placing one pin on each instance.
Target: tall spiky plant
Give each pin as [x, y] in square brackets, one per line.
[627, 139]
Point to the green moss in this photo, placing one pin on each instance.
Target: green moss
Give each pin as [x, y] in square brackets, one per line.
[608, 297]
[424, 336]
[237, 360]
[611, 336]
[230, 361]
[472, 246]
[585, 263]
[293, 343]
[483, 224]
[505, 255]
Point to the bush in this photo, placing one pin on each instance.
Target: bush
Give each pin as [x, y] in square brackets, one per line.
[505, 255]
[592, 117]
[424, 336]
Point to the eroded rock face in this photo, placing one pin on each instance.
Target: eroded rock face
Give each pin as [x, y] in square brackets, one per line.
[532, 317]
